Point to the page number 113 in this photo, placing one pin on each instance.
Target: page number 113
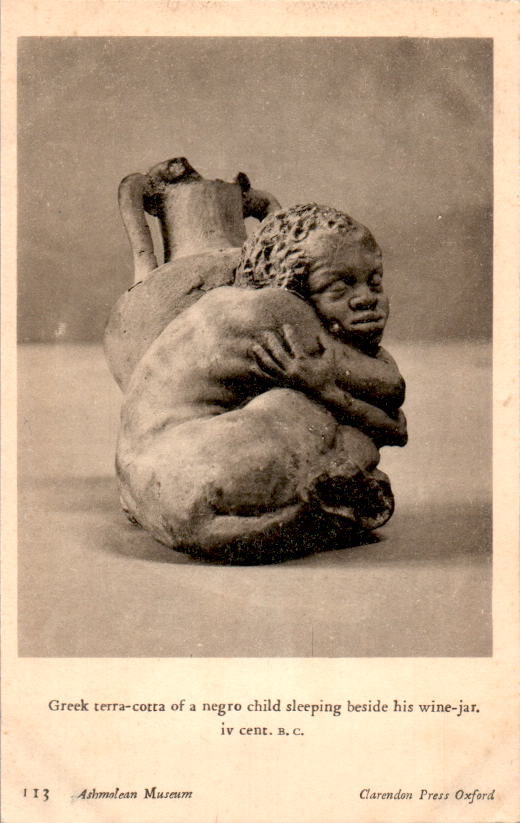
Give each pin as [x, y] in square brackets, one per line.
[40, 794]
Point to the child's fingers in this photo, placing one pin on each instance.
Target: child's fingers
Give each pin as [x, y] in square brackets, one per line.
[292, 344]
[273, 345]
[269, 361]
[295, 346]
[264, 361]
[320, 348]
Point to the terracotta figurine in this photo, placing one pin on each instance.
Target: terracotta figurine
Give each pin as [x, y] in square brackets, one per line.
[251, 425]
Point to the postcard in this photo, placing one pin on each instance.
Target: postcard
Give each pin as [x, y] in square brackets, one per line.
[260, 412]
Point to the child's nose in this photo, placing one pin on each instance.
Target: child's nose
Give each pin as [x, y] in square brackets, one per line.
[363, 298]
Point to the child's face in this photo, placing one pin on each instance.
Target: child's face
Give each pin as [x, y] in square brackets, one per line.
[345, 286]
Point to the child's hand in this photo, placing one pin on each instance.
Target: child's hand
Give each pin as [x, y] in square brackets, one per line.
[283, 358]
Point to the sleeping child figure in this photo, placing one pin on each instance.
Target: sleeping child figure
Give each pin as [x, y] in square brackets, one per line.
[251, 428]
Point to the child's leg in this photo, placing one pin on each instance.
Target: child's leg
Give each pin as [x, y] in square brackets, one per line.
[249, 474]
[363, 494]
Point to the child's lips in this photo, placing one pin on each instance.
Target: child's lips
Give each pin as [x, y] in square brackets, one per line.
[369, 319]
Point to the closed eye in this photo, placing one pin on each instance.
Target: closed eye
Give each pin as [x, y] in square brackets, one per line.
[339, 289]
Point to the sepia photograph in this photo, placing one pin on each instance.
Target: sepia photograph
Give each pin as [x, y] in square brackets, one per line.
[260, 394]
[255, 281]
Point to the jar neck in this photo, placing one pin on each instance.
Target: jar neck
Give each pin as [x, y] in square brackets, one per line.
[200, 216]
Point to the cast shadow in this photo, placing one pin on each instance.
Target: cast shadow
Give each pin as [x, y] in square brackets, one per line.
[432, 533]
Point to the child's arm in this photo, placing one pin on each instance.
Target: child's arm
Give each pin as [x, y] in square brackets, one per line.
[375, 379]
[372, 378]
[284, 359]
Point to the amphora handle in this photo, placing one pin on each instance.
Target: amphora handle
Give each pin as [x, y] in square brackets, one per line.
[196, 215]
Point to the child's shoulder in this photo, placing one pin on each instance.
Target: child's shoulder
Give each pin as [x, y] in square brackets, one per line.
[230, 304]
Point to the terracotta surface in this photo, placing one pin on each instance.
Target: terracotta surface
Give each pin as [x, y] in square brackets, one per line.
[251, 422]
[143, 312]
[201, 227]
[214, 458]
[92, 585]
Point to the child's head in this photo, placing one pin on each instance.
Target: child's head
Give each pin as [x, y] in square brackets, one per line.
[330, 260]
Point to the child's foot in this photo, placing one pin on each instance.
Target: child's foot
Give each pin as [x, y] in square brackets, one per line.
[365, 499]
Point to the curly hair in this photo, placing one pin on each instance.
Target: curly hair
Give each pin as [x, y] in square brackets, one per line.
[275, 255]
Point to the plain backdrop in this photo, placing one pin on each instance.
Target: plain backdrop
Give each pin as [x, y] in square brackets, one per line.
[397, 132]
